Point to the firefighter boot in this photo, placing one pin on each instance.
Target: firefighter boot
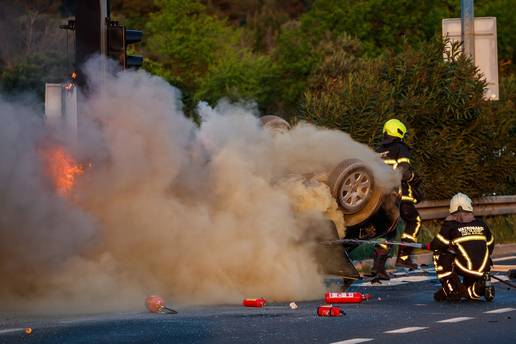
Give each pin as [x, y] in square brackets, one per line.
[452, 296]
[489, 292]
[380, 258]
[403, 260]
[440, 295]
[452, 288]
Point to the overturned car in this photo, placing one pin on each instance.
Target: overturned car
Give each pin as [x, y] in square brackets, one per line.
[368, 210]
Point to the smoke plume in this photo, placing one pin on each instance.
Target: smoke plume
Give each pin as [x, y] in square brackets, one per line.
[198, 214]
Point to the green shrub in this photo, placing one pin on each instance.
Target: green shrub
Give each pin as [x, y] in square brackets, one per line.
[247, 78]
[29, 74]
[186, 41]
[461, 142]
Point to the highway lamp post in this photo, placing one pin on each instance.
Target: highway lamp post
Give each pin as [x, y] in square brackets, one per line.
[467, 15]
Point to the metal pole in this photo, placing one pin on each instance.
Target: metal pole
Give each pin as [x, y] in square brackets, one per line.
[104, 22]
[468, 28]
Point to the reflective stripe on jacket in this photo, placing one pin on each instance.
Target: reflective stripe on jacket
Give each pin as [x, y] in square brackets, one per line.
[472, 243]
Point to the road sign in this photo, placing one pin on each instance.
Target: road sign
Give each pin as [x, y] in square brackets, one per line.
[61, 109]
[486, 54]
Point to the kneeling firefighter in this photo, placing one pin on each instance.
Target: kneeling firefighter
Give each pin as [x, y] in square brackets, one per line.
[463, 248]
[396, 153]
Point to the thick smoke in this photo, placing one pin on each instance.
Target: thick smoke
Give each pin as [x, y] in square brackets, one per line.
[207, 214]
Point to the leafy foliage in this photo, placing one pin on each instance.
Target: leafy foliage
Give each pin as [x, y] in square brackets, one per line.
[186, 40]
[347, 64]
[248, 77]
[451, 127]
[379, 24]
[26, 75]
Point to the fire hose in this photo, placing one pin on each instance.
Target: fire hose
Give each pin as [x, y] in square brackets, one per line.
[501, 280]
[424, 246]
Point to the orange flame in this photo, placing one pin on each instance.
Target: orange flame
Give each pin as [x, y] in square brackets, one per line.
[62, 169]
[71, 84]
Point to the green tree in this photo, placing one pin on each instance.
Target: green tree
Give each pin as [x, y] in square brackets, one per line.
[30, 74]
[185, 40]
[379, 24]
[35, 50]
[296, 57]
[241, 77]
[451, 127]
[505, 13]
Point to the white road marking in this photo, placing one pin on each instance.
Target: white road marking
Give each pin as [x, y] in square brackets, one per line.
[504, 258]
[73, 321]
[406, 330]
[502, 268]
[9, 330]
[455, 320]
[500, 310]
[354, 341]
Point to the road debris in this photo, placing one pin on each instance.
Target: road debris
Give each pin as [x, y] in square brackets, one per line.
[156, 304]
[511, 273]
[260, 302]
[329, 311]
[353, 297]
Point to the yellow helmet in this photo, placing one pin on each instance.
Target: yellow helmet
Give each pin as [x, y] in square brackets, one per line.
[394, 127]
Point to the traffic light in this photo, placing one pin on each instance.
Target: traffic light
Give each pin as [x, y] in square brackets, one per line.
[88, 37]
[132, 37]
[118, 39]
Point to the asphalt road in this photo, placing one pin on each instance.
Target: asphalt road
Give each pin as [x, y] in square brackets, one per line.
[401, 311]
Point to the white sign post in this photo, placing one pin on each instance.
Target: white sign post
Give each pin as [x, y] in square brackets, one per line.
[486, 54]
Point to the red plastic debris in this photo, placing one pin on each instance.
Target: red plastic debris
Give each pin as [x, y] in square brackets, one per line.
[329, 311]
[354, 297]
[260, 302]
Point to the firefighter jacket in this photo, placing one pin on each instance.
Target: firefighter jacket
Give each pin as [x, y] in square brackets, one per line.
[470, 241]
[396, 153]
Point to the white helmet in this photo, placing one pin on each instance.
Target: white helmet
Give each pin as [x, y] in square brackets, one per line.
[460, 200]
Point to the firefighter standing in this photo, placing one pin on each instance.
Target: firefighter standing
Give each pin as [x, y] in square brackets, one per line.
[463, 248]
[396, 153]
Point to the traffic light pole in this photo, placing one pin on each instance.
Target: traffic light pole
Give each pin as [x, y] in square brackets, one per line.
[104, 23]
[95, 34]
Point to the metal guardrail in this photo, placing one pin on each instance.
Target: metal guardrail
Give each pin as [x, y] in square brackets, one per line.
[485, 206]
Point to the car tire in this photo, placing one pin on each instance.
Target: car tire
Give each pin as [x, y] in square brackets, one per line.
[352, 184]
[275, 123]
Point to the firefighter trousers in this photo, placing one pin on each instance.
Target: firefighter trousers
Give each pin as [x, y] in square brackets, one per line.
[410, 216]
[471, 287]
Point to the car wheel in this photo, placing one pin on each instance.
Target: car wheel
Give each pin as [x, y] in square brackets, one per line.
[275, 124]
[352, 185]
